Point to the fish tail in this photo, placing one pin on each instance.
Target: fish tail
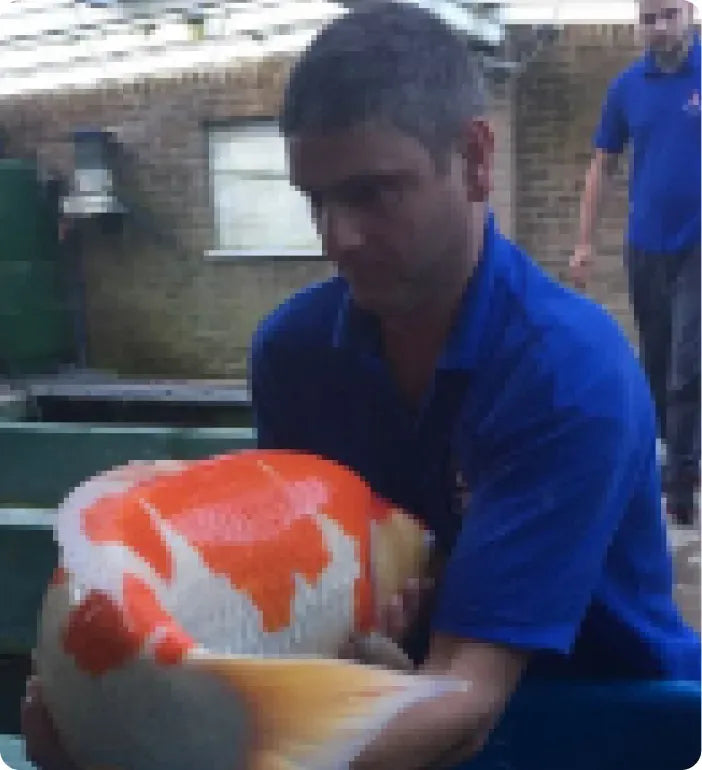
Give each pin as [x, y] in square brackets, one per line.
[315, 713]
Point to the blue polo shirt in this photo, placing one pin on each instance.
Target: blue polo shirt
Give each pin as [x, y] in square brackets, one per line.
[532, 458]
[659, 114]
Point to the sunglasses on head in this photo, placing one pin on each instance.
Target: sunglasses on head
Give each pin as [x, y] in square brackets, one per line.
[667, 14]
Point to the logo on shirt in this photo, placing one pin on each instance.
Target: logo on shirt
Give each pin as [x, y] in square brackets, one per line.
[692, 106]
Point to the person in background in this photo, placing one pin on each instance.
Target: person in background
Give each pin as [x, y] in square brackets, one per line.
[444, 366]
[654, 106]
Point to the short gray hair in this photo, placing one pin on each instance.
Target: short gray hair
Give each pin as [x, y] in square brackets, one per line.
[389, 61]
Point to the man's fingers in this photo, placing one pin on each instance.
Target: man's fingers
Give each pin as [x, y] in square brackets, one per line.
[579, 265]
[414, 596]
[579, 274]
[376, 650]
[392, 619]
[403, 608]
[351, 650]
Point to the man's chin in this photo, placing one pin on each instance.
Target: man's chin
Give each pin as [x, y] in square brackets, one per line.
[381, 303]
[667, 51]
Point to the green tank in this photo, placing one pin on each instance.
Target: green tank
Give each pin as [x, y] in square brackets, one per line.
[36, 333]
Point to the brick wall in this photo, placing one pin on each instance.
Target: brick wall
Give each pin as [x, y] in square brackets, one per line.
[503, 182]
[157, 307]
[557, 105]
[154, 305]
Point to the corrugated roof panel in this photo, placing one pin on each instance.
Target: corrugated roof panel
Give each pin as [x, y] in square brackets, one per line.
[48, 44]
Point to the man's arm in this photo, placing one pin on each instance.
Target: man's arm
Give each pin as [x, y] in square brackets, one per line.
[597, 184]
[444, 731]
[530, 551]
[611, 137]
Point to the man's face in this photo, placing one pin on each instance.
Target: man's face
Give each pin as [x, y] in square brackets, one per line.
[665, 24]
[395, 224]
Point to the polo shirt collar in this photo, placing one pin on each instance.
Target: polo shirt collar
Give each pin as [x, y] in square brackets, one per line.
[359, 331]
[355, 329]
[690, 63]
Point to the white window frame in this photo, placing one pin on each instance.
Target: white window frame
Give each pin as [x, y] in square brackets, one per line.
[230, 169]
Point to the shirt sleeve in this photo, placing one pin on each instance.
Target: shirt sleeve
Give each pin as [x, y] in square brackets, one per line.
[536, 532]
[612, 133]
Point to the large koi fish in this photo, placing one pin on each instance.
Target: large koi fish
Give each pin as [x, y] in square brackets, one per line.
[197, 617]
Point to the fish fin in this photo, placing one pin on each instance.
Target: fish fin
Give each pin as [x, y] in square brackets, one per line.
[317, 713]
[268, 760]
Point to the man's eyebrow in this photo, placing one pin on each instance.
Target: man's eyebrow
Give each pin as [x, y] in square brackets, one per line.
[668, 10]
[358, 180]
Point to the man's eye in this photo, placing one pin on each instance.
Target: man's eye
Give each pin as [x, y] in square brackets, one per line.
[373, 194]
[667, 14]
[362, 194]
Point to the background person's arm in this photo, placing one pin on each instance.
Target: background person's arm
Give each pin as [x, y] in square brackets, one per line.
[597, 185]
[611, 137]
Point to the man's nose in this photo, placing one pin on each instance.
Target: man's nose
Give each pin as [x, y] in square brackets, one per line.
[341, 227]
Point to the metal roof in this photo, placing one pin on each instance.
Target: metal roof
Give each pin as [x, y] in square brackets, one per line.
[56, 44]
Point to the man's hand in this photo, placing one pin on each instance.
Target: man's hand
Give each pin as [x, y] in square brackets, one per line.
[44, 747]
[450, 729]
[444, 731]
[384, 647]
[405, 608]
[581, 265]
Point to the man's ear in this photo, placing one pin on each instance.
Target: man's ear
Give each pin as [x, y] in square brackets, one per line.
[478, 144]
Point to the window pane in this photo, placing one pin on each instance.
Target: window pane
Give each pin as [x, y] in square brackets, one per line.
[248, 149]
[255, 206]
[262, 213]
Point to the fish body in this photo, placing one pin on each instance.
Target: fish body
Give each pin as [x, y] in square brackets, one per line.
[199, 609]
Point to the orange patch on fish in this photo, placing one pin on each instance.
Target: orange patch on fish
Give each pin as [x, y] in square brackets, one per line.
[125, 519]
[142, 609]
[58, 577]
[298, 549]
[172, 647]
[97, 636]
[145, 616]
[247, 514]
[261, 504]
[353, 506]
[243, 520]
[102, 635]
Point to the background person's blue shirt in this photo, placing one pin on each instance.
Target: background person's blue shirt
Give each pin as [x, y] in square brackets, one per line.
[659, 114]
[532, 458]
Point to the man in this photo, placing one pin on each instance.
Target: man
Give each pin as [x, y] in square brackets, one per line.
[443, 364]
[448, 370]
[654, 105]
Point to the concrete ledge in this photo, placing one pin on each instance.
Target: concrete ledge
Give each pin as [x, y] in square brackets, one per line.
[42, 462]
[27, 518]
[13, 406]
[256, 256]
